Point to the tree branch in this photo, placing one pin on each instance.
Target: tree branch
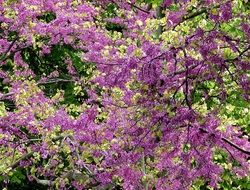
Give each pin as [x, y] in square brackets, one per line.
[30, 154]
[235, 146]
[55, 80]
[159, 15]
[3, 57]
[5, 96]
[228, 142]
[135, 6]
[239, 56]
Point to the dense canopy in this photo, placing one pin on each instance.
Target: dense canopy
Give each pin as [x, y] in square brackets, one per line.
[118, 94]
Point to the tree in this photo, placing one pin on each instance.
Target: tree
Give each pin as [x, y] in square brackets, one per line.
[124, 94]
